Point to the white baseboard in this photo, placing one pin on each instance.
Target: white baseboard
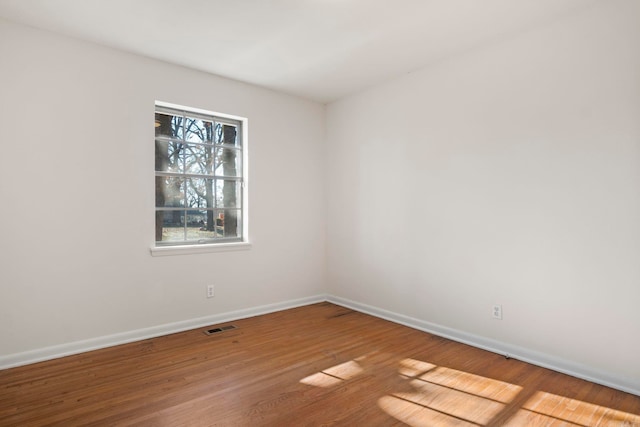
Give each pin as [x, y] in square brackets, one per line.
[512, 351]
[54, 352]
[515, 352]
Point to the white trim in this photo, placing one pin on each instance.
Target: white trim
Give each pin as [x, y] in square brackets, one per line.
[54, 352]
[508, 350]
[512, 351]
[187, 109]
[199, 249]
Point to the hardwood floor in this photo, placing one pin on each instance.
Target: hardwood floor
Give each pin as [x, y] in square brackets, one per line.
[316, 365]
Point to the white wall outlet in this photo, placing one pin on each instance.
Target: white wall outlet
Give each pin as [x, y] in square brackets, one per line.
[497, 312]
[210, 291]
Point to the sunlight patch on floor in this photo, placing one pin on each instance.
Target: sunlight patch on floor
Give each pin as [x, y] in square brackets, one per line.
[334, 375]
[414, 368]
[476, 385]
[550, 409]
[415, 415]
[432, 395]
[445, 396]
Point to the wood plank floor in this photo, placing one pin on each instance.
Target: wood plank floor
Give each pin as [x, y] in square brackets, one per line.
[317, 365]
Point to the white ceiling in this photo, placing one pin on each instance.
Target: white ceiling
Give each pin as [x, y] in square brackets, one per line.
[317, 49]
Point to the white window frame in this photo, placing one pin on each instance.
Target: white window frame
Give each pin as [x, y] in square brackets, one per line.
[215, 244]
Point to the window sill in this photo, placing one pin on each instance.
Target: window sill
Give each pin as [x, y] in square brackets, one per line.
[199, 249]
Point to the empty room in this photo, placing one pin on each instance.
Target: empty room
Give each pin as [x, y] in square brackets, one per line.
[320, 212]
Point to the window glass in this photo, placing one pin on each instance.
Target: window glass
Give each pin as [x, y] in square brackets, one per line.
[199, 178]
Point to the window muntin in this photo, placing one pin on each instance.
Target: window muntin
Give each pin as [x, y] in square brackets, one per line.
[199, 181]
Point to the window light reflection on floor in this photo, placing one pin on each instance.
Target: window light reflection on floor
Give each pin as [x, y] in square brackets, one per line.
[443, 396]
[334, 375]
[550, 409]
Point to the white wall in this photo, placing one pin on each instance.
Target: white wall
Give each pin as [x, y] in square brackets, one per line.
[77, 216]
[508, 175]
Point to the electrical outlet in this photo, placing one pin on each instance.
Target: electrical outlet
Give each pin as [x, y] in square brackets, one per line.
[210, 291]
[497, 312]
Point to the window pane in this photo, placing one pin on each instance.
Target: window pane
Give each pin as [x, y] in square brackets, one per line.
[198, 130]
[229, 221]
[172, 223]
[198, 159]
[228, 162]
[169, 191]
[226, 134]
[200, 193]
[200, 224]
[175, 157]
[228, 194]
[168, 125]
[169, 157]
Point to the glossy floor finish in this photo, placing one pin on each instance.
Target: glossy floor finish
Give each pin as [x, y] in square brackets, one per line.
[311, 366]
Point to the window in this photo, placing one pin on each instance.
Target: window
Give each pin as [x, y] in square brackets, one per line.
[199, 170]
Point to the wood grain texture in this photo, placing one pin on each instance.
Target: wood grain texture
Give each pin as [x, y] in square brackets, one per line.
[317, 365]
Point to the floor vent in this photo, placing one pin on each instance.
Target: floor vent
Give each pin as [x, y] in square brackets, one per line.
[220, 329]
